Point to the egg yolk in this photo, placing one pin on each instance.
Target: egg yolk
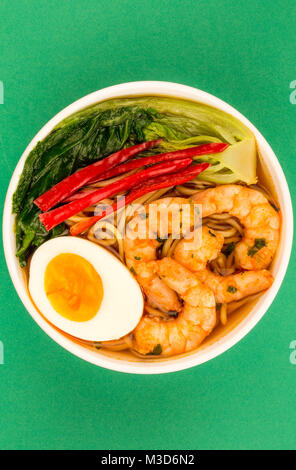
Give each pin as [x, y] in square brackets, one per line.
[73, 287]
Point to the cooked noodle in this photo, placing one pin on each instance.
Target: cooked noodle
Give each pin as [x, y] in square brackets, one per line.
[223, 314]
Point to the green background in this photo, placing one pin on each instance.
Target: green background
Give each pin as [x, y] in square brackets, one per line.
[53, 53]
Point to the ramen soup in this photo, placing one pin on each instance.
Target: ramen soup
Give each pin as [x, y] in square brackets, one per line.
[143, 223]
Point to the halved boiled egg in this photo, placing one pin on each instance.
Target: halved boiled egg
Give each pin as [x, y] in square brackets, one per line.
[84, 290]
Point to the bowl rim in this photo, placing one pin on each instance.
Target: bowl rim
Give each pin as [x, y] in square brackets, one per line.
[149, 88]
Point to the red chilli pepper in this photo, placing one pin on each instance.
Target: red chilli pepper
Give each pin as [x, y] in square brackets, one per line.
[153, 185]
[56, 216]
[125, 168]
[134, 164]
[72, 183]
[203, 149]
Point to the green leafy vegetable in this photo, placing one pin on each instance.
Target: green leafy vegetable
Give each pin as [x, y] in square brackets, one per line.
[72, 145]
[236, 163]
[99, 130]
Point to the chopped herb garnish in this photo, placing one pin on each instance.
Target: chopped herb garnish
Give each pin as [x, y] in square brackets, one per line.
[160, 240]
[211, 233]
[157, 350]
[132, 270]
[172, 313]
[276, 208]
[143, 215]
[192, 255]
[137, 258]
[228, 249]
[258, 244]
[231, 289]
[98, 346]
[219, 305]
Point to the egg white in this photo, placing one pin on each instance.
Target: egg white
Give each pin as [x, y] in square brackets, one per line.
[122, 305]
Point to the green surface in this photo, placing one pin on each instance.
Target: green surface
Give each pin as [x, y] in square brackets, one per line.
[53, 53]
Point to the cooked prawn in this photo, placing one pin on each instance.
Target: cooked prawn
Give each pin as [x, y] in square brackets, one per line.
[195, 253]
[194, 323]
[236, 286]
[227, 288]
[144, 236]
[260, 220]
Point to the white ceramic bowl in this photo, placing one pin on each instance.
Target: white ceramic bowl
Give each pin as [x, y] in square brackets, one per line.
[241, 324]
